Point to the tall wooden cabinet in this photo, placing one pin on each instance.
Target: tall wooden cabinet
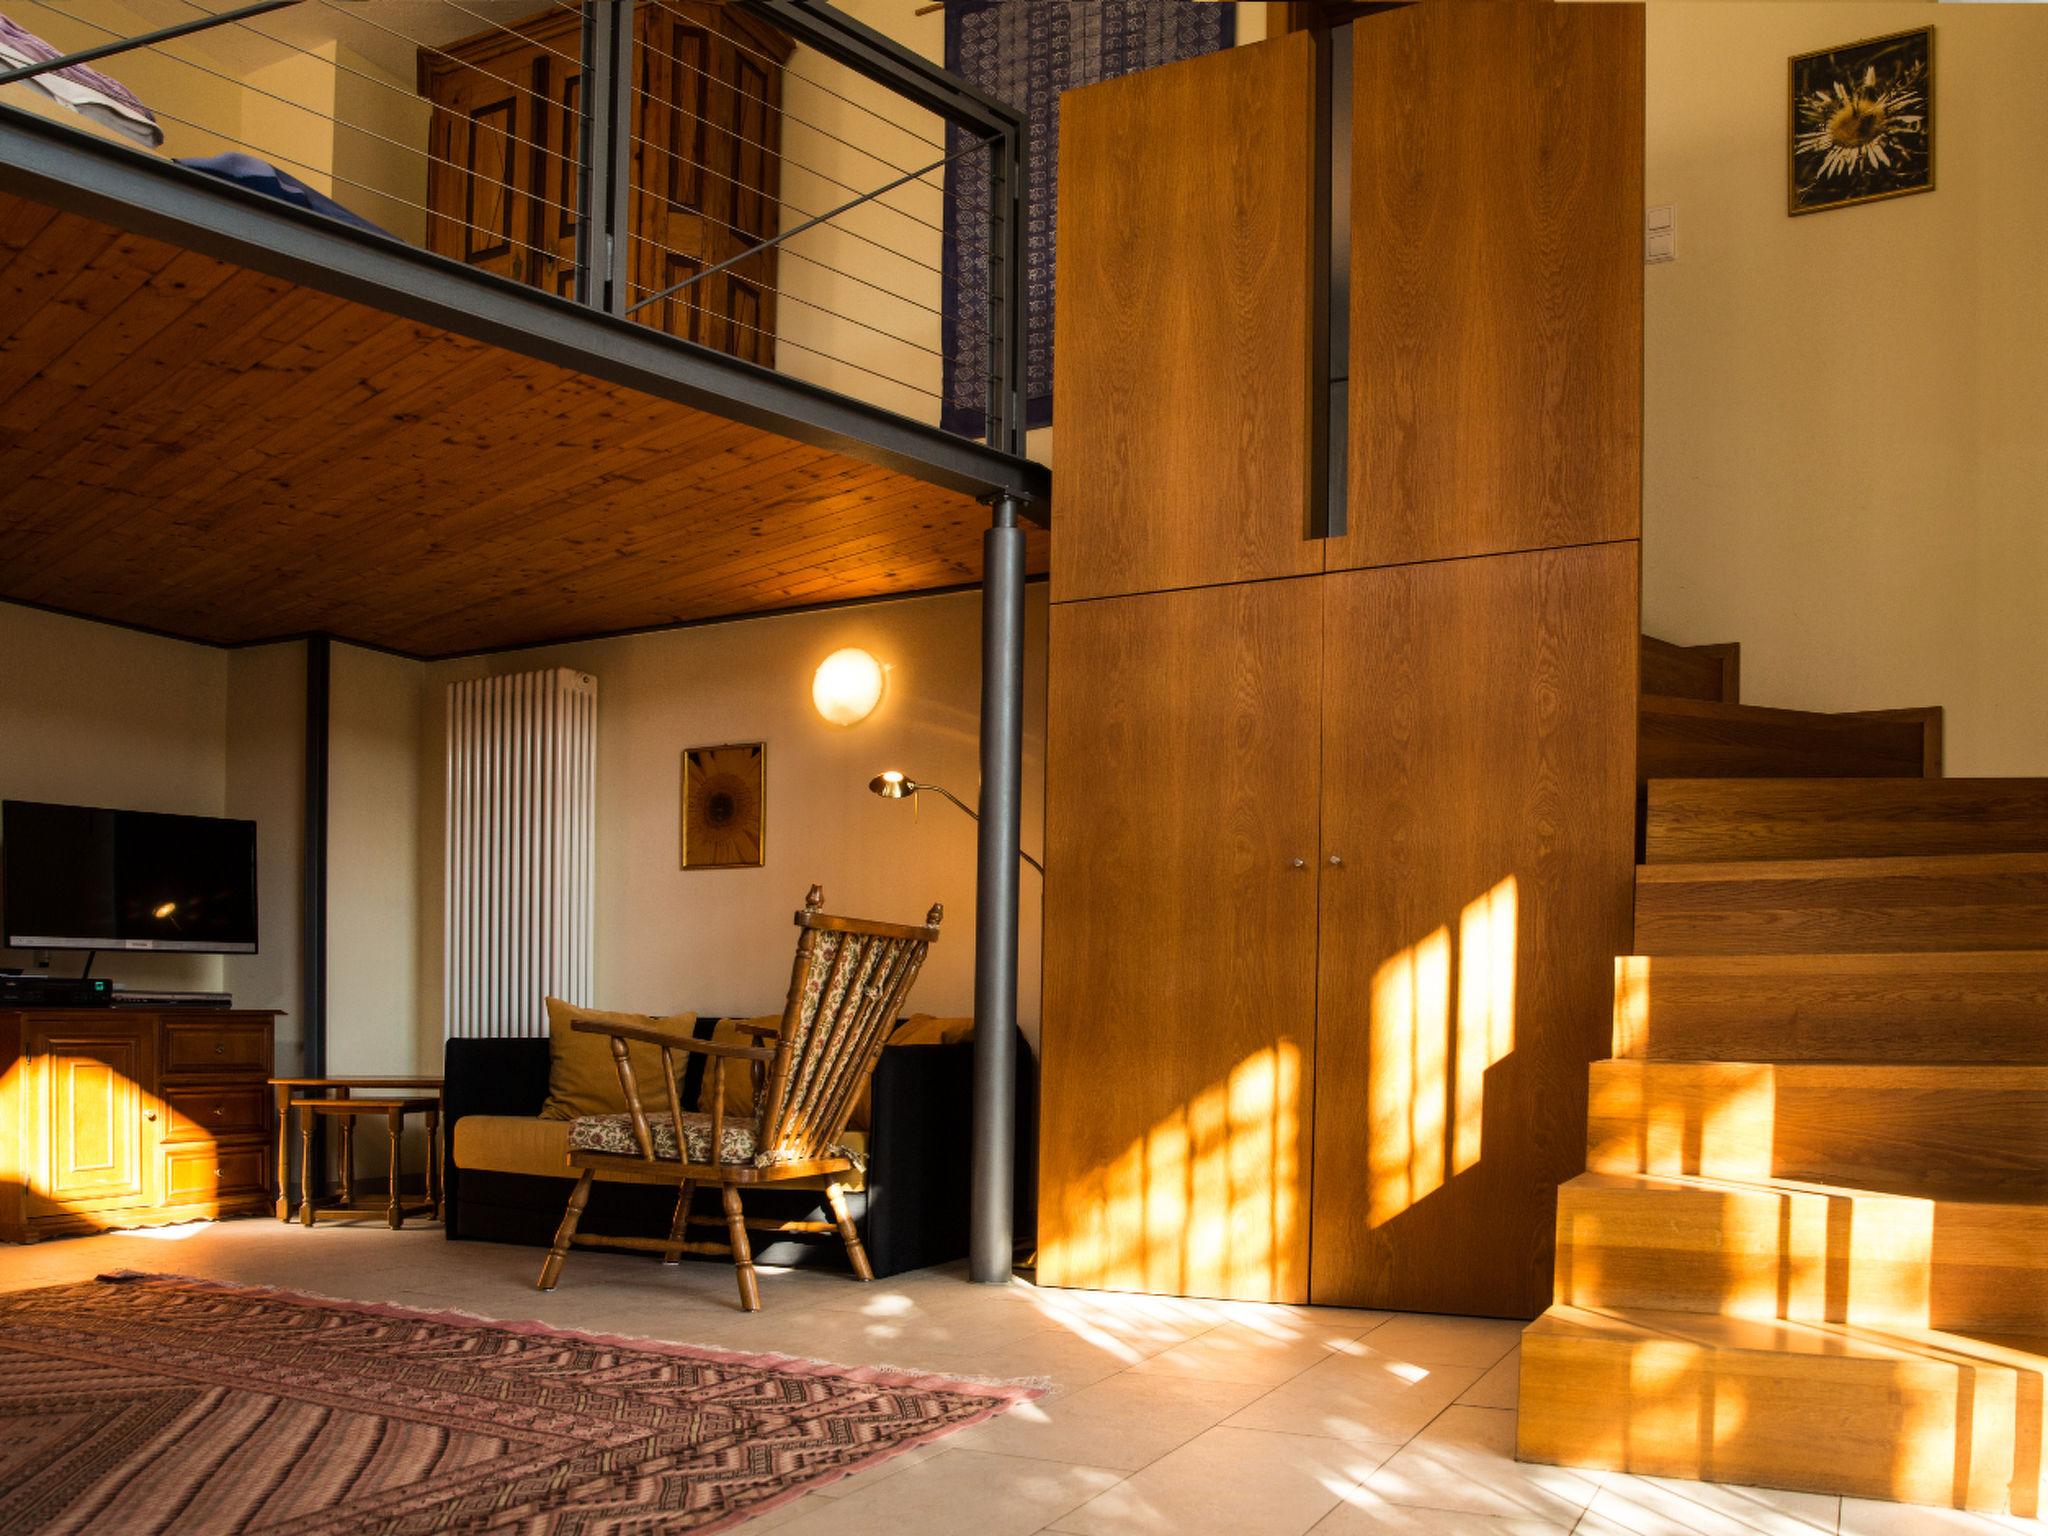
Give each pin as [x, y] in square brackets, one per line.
[113, 1118]
[705, 155]
[1340, 828]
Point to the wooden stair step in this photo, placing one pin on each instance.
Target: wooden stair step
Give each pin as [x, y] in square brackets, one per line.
[1985, 1006]
[1711, 672]
[1829, 906]
[1700, 820]
[1918, 1415]
[1781, 1248]
[1944, 1133]
[1698, 738]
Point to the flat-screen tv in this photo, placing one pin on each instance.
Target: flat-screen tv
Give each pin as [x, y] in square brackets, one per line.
[76, 877]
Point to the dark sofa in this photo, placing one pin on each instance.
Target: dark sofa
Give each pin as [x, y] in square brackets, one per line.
[912, 1213]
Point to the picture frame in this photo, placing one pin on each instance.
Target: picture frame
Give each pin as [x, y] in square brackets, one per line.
[1860, 122]
[724, 806]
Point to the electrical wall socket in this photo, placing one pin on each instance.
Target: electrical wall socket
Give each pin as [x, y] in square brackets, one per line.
[1660, 234]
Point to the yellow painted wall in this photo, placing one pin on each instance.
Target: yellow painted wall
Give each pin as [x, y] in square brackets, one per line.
[311, 106]
[1846, 413]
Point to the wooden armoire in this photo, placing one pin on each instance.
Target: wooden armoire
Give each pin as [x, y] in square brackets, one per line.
[1340, 781]
[706, 161]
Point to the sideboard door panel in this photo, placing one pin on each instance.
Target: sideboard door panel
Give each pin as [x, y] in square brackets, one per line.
[1478, 790]
[1496, 280]
[1180, 938]
[96, 1086]
[1181, 324]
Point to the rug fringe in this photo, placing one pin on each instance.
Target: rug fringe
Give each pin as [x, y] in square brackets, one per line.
[1000, 1389]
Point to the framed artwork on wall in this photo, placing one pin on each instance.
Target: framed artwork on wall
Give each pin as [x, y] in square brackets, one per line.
[724, 805]
[1862, 122]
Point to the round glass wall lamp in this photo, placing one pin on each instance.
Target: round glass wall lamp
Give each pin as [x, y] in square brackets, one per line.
[848, 685]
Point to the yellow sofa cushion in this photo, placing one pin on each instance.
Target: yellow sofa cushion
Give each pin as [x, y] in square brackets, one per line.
[581, 1077]
[739, 1076]
[528, 1144]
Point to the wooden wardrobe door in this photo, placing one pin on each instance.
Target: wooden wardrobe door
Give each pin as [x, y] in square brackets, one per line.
[1478, 788]
[1181, 324]
[1177, 1055]
[1496, 280]
[707, 174]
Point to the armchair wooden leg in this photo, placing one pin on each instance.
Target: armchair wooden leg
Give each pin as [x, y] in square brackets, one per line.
[679, 1228]
[306, 1166]
[742, 1251]
[835, 1196]
[565, 1234]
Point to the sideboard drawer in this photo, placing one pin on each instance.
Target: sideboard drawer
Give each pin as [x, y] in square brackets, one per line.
[207, 1114]
[234, 1046]
[195, 1175]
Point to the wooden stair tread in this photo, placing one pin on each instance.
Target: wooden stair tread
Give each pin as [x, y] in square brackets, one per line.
[1775, 1336]
[1929, 1416]
[1985, 1006]
[1802, 1250]
[1691, 671]
[1703, 819]
[1703, 738]
[1971, 1133]
[1914, 902]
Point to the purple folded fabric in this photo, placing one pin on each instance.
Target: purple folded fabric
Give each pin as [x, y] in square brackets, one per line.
[80, 87]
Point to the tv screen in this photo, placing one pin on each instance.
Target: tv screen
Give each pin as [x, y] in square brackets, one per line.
[73, 877]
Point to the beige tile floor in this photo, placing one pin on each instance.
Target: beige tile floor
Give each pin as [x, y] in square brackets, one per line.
[1165, 1416]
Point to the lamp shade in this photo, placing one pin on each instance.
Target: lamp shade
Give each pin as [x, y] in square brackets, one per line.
[847, 686]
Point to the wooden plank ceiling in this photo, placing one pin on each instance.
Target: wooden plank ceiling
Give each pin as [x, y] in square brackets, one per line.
[201, 449]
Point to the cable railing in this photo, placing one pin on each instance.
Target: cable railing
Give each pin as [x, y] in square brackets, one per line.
[764, 178]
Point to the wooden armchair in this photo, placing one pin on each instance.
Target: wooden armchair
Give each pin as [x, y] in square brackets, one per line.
[845, 991]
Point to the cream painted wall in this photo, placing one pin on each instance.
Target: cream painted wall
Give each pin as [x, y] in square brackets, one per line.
[94, 715]
[719, 941]
[374, 842]
[1846, 413]
[265, 728]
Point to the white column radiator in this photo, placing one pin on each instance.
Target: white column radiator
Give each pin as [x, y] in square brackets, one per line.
[521, 841]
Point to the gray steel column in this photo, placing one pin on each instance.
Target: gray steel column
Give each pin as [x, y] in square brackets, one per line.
[995, 907]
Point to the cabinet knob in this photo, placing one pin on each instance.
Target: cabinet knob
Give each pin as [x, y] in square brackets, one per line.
[1298, 863]
[1336, 861]
[149, 1114]
[219, 1110]
[220, 1048]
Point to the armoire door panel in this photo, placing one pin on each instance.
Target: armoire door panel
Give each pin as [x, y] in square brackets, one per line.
[1181, 326]
[1478, 859]
[1496, 280]
[1180, 940]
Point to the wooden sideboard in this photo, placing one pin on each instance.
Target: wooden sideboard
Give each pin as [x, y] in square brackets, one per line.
[117, 1117]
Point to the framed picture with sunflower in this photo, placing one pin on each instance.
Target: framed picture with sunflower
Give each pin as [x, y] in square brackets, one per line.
[1862, 122]
[724, 796]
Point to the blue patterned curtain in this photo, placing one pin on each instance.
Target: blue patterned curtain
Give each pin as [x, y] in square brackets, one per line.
[1025, 52]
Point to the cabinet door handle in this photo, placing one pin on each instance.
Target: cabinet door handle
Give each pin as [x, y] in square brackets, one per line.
[149, 1114]
[220, 1049]
[1298, 863]
[1336, 861]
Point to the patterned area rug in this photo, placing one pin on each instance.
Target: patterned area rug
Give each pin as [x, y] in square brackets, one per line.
[150, 1403]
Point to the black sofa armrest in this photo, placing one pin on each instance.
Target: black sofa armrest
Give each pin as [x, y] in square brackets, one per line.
[920, 1154]
[485, 1077]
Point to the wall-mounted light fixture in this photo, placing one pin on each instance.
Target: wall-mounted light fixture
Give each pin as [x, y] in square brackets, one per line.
[894, 786]
[847, 686]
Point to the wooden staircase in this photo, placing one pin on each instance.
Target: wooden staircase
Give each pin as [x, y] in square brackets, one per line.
[1810, 1249]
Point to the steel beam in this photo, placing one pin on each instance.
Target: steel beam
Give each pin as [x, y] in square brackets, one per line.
[992, 1231]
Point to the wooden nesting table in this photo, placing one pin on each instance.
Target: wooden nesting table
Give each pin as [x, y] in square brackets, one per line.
[347, 1100]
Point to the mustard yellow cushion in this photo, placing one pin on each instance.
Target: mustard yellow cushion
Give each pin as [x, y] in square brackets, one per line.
[739, 1076]
[927, 1029]
[581, 1077]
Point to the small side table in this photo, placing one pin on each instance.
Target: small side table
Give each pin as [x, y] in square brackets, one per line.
[313, 1099]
